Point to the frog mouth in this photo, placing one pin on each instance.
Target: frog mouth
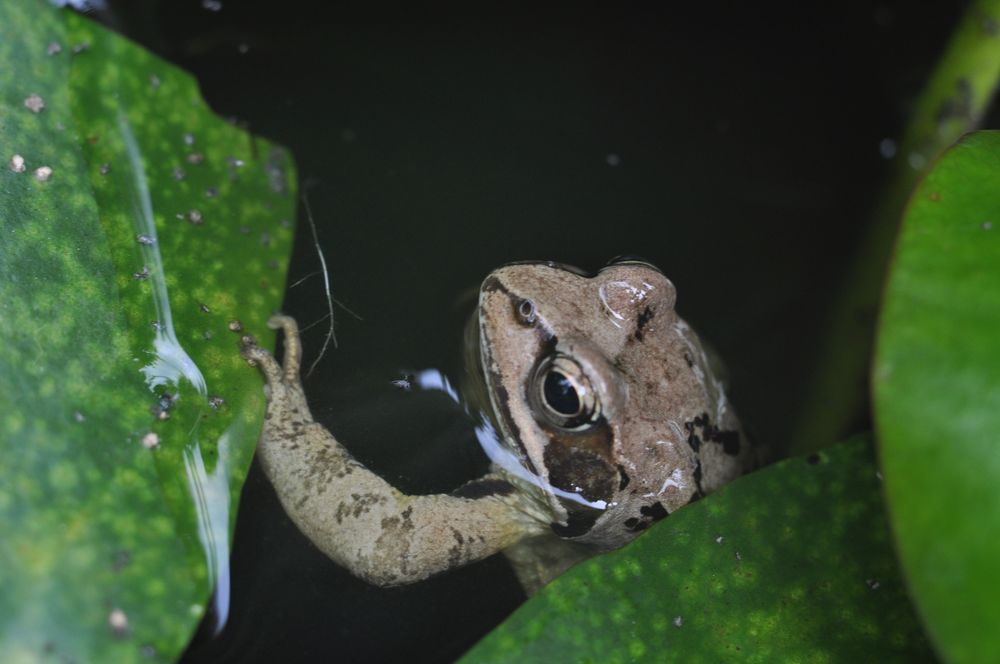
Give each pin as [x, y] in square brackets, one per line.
[483, 389]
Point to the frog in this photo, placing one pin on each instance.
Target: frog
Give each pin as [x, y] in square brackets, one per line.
[599, 408]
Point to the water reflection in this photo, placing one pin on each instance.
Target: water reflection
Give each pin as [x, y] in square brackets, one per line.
[491, 442]
[171, 367]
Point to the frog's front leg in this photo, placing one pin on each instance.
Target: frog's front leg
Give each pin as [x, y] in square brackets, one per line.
[354, 516]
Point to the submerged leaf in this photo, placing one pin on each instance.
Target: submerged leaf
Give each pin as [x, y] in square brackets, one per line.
[792, 563]
[937, 398]
[135, 228]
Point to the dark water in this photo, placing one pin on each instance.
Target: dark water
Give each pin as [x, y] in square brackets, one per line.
[736, 148]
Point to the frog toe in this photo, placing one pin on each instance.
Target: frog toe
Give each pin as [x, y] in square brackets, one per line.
[293, 347]
[259, 357]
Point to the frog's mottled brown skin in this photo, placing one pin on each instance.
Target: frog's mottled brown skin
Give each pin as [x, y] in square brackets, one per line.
[656, 433]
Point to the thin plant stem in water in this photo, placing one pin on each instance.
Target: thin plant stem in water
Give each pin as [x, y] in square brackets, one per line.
[330, 334]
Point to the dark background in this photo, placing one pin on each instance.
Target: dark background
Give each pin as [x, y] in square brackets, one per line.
[737, 147]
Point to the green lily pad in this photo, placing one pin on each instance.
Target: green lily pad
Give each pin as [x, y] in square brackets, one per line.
[937, 398]
[793, 563]
[128, 419]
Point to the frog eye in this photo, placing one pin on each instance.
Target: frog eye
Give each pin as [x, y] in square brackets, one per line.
[564, 394]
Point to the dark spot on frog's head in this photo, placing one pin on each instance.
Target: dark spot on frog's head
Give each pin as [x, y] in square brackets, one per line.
[730, 439]
[577, 523]
[623, 482]
[655, 512]
[581, 471]
[492, 284]
[641, 322]
[635, 524]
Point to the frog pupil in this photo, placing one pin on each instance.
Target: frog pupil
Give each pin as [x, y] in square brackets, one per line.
[560, 394]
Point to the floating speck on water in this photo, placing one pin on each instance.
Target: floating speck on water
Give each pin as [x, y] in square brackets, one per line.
[402, 384]
[53, 48]
[211, 192]
[142, 274]
[148, 651]
[878, 475]
[43, 173]
[161, 409]
[79, 417]
[154, 82]
[211, 5]
[887, 148]
[194, 216]
[273, 264]
[204, 308]
[207, 334]
[265, 239]
[613, 160]
[873, 584]
[236, 325]
[739, 556]
[34, 103]
[244, 230]
[195, 158]
[157, 325]
[179, 174]
[678, 621]
[16, 164]
[104, 169]
[188, 139]
[144, 239]
[348, 136]
[80, 48]
[243, 48]
[121, 561]
[60, 126]
[916, 160]
[234, 161]
[987, 225]
[718, 540]
[150, 440]
[216, 402]
[118, 622]
[285, 223]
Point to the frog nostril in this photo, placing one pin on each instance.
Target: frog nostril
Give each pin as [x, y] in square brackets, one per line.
[525, 310]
